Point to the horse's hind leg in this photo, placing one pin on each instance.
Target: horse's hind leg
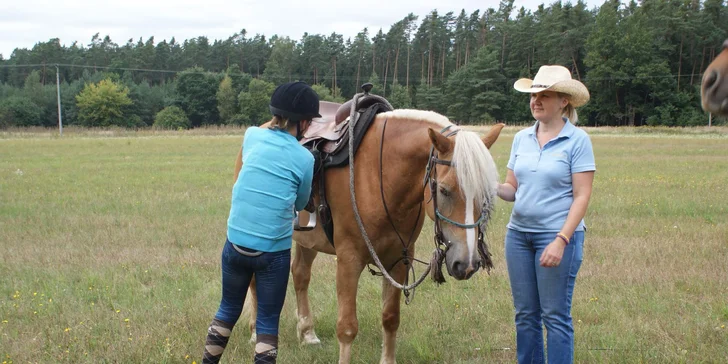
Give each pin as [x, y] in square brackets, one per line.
[301, 271]
[390, 314]
[250, 309]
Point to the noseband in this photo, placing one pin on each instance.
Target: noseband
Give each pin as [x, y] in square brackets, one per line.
[442, 245]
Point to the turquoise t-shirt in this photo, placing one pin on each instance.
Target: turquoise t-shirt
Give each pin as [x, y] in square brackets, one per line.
[275, 178]
[545, 191]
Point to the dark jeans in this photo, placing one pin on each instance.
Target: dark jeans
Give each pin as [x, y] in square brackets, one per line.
[271, 279]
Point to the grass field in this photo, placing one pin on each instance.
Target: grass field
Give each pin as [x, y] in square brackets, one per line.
[111, 240]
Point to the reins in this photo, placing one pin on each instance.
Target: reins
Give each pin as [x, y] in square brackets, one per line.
[441, 246]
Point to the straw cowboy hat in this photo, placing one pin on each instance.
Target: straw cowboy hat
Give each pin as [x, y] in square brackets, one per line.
[558, 79]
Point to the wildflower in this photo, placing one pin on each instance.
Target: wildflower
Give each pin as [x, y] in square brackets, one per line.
[5, 321]
[126, 320]
[67, 329]
[35, 294]
[187, 356]
[117, 311]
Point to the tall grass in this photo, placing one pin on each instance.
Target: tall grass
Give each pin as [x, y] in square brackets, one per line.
[111, 245]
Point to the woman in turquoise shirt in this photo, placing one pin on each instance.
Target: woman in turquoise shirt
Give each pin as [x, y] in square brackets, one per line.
[550, 175]
[275, 179]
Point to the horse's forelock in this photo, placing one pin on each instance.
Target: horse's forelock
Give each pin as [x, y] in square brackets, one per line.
[476, 171]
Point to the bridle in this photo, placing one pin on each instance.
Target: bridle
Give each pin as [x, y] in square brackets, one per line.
[441, 244]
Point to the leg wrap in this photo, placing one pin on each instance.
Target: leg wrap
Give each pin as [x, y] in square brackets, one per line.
[266, 349]
[217, 338]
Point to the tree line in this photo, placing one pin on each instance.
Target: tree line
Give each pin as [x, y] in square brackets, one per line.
[642, 62]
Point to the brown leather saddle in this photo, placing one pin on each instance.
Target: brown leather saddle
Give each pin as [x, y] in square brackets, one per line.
[332, 126]
[328, 139]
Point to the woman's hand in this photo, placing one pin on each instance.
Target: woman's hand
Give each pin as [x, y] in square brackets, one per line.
[551, 256]
[507, 190]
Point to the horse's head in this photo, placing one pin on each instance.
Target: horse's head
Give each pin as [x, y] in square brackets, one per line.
[462, 186]
[714, 90]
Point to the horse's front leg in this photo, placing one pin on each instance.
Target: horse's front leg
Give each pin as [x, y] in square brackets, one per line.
[301, 271]
[348, 271]
[390, 313]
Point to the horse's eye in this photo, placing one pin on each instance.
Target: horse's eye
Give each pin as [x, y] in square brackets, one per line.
[444, 192]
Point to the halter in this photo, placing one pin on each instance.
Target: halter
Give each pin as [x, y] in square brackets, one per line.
[441, 245]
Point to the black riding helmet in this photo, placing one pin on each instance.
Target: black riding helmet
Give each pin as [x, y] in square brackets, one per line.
[295, 101]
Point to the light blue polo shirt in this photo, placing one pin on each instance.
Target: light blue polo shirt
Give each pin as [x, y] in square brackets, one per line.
[275, 178]
[545, 192]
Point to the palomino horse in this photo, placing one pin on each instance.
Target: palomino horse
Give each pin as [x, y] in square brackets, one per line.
[714, 90]
[400, 151]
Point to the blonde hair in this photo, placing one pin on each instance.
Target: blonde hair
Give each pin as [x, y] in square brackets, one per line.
[279, 122]
[569, 110]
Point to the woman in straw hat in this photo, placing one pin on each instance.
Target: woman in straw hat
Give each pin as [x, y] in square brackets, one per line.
[550, 175]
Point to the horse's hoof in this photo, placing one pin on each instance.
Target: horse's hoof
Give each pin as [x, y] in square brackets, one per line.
[253, 338]
[310, 338]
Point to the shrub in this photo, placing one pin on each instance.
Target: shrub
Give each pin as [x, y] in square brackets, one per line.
[171, 117]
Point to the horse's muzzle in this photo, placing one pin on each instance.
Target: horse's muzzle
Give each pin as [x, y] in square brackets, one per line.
[715, 92]
[462, 270]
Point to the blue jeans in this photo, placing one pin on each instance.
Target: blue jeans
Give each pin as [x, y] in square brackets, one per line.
[542, 295]
[271, 280]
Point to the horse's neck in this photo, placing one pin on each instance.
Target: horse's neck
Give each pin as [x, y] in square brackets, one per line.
[410, 142]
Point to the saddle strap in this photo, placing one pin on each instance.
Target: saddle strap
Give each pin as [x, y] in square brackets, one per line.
[324, 211]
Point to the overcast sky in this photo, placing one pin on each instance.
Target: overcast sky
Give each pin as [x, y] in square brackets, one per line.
[23, 23]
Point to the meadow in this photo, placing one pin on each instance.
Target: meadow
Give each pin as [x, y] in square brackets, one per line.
[111, 245]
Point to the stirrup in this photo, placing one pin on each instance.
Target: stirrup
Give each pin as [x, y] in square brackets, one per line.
[310, 226]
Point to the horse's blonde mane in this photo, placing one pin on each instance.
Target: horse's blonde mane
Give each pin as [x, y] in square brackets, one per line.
[422, 115]
[474, 166]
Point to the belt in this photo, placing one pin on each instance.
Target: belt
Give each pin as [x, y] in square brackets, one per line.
[245, 251]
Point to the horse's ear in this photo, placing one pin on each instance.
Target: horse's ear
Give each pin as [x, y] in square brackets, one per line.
[441, 143]
[492, 135]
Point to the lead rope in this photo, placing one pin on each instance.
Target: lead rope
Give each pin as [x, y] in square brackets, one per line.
[406, 289]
